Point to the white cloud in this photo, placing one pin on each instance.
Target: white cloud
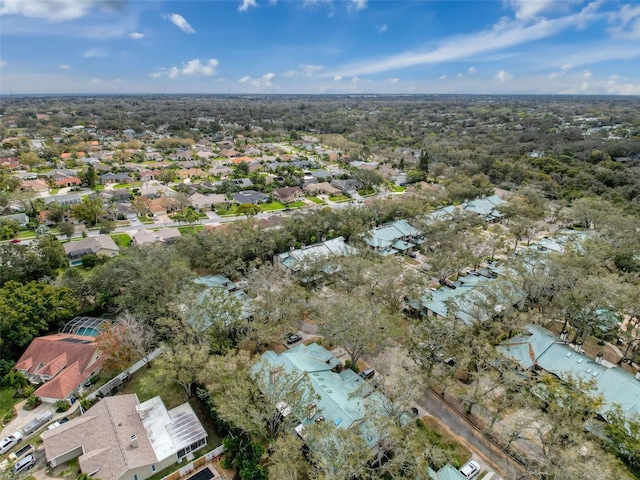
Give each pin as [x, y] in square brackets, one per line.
[136, 35]
[337, 78]
[246, 4]
[289, 74]
[528, 9]
[358, 4]
[264, 80]
[96, 80]
[587, 74]
[94, 52]
[382, 28]
[394, 80]
[566, 66]
[442, 77]
[625, 23]
[244, 79]
[355, 79]
[53, 10]
[64, 67]
[3, 64]
[471, 70]
[191, 68]
[309, 70]
[180, 22]
[503, 35]
[503, 76]
[459, 75]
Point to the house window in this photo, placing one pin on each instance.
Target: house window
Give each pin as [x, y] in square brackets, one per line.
[153, 468]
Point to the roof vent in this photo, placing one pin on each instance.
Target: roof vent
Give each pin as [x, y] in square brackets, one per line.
[134, 441]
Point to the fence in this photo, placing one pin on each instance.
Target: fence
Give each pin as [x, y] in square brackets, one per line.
[196, 464]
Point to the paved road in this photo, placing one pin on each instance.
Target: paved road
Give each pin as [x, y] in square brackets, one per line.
[499, 461]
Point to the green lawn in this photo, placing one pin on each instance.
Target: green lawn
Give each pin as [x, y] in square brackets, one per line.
[121, 239]
[120, 186]
[190, 229]
[296, 204]
[399, 189]
[233, 210]
[339, 198]
[26, 234]
[432, 433]
[6, 400]
[315, 199]
[98, 188]
[271, 206]
[148, 383]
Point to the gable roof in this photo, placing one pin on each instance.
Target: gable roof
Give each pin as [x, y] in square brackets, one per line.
[90, 245]
[103, 434]
[538, 346]
[69, 359]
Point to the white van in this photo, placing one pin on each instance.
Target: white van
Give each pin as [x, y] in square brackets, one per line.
[25, 464]
[470, 469]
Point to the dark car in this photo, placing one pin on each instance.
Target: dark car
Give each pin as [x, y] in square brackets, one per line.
[413, 254]
[293, 338]
[368, 373]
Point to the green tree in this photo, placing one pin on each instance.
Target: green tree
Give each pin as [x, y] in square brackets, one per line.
[16, 380]
[90, 176]
[9, 228]
[183, 364]
[67, 229]
[56, 212]
[423, 163]
[248, 209]
[242, 170]
[29, 310]
[89, 211]
[52, 251]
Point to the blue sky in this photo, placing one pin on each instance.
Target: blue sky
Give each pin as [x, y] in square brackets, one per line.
[320, 46]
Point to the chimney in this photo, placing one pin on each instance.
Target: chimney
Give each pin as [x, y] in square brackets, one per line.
[134, 441]
[637, 375]
[599, 358]
[563, 335]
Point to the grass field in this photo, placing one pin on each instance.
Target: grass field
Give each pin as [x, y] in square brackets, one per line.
[232, 210]
[148, 383]
[431, 432]
[399, 189]
[190, 229]
[271, 206]
[339, 198]
[315, 200]
[6, 400]
[296, 204]
[121, 239]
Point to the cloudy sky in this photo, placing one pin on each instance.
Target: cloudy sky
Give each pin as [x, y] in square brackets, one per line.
[320, 46]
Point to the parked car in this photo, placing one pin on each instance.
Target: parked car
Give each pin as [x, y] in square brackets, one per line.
[293, 338]
[9, 442]
[26, 450]
[470, 469]
[25, 464]
[413, 254]
[368, 373]
[53, 425]
[37, 422]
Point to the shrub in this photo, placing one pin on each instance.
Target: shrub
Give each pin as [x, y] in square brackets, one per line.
[33, 402]
[61, 406]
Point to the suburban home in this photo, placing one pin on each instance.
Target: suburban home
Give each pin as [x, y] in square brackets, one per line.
[337, 395]
[121, 438]
[229, 153]
[242, 182]
[349, 186]
[323, 188]
[250, 196]
[487, 207]
[190, 173]
[540, 349]
[64, 200]
[22, 218]
[100, 245]
[395, 237]
[156, 191]
[205, 202]
[299, 260]
[37, 186]
[447, 472]
[288, 194]
[115, 178]
[145, 237]
[163, 205]
[60, 364]
[68, 182]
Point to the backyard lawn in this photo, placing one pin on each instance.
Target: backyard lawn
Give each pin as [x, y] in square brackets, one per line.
[147, 383]
[339, 198]
[232, 210]
[315, 199]
[296, 204]
[432, 433]
[7, 401]
[271, 206]
[121, 239]
[190, 229]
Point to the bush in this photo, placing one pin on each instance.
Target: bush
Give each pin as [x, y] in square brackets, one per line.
[61, 406]
[32, 402]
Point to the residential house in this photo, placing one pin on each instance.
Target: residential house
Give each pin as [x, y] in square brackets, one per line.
[245, 159]
[60, 364]
[540, 349]
[322, 175]
[349, 186]
[447, 472]
[323, 188]
[190, 173]
[395, 237]
[145, 237]
[115, 178]
[250, 196]
[100, 245]
[337, 395]
[68, 182]
[229, 153]
[487, 207]
[21, 218]
[120, 438]
[22, 175]
[205, 202]
[65, 200]
[163, 205]
[36, 186]
[148, 175]
[242, 182]
[156, 191]
[287, 194]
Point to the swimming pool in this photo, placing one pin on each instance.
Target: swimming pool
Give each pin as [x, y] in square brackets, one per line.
[87, 331]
